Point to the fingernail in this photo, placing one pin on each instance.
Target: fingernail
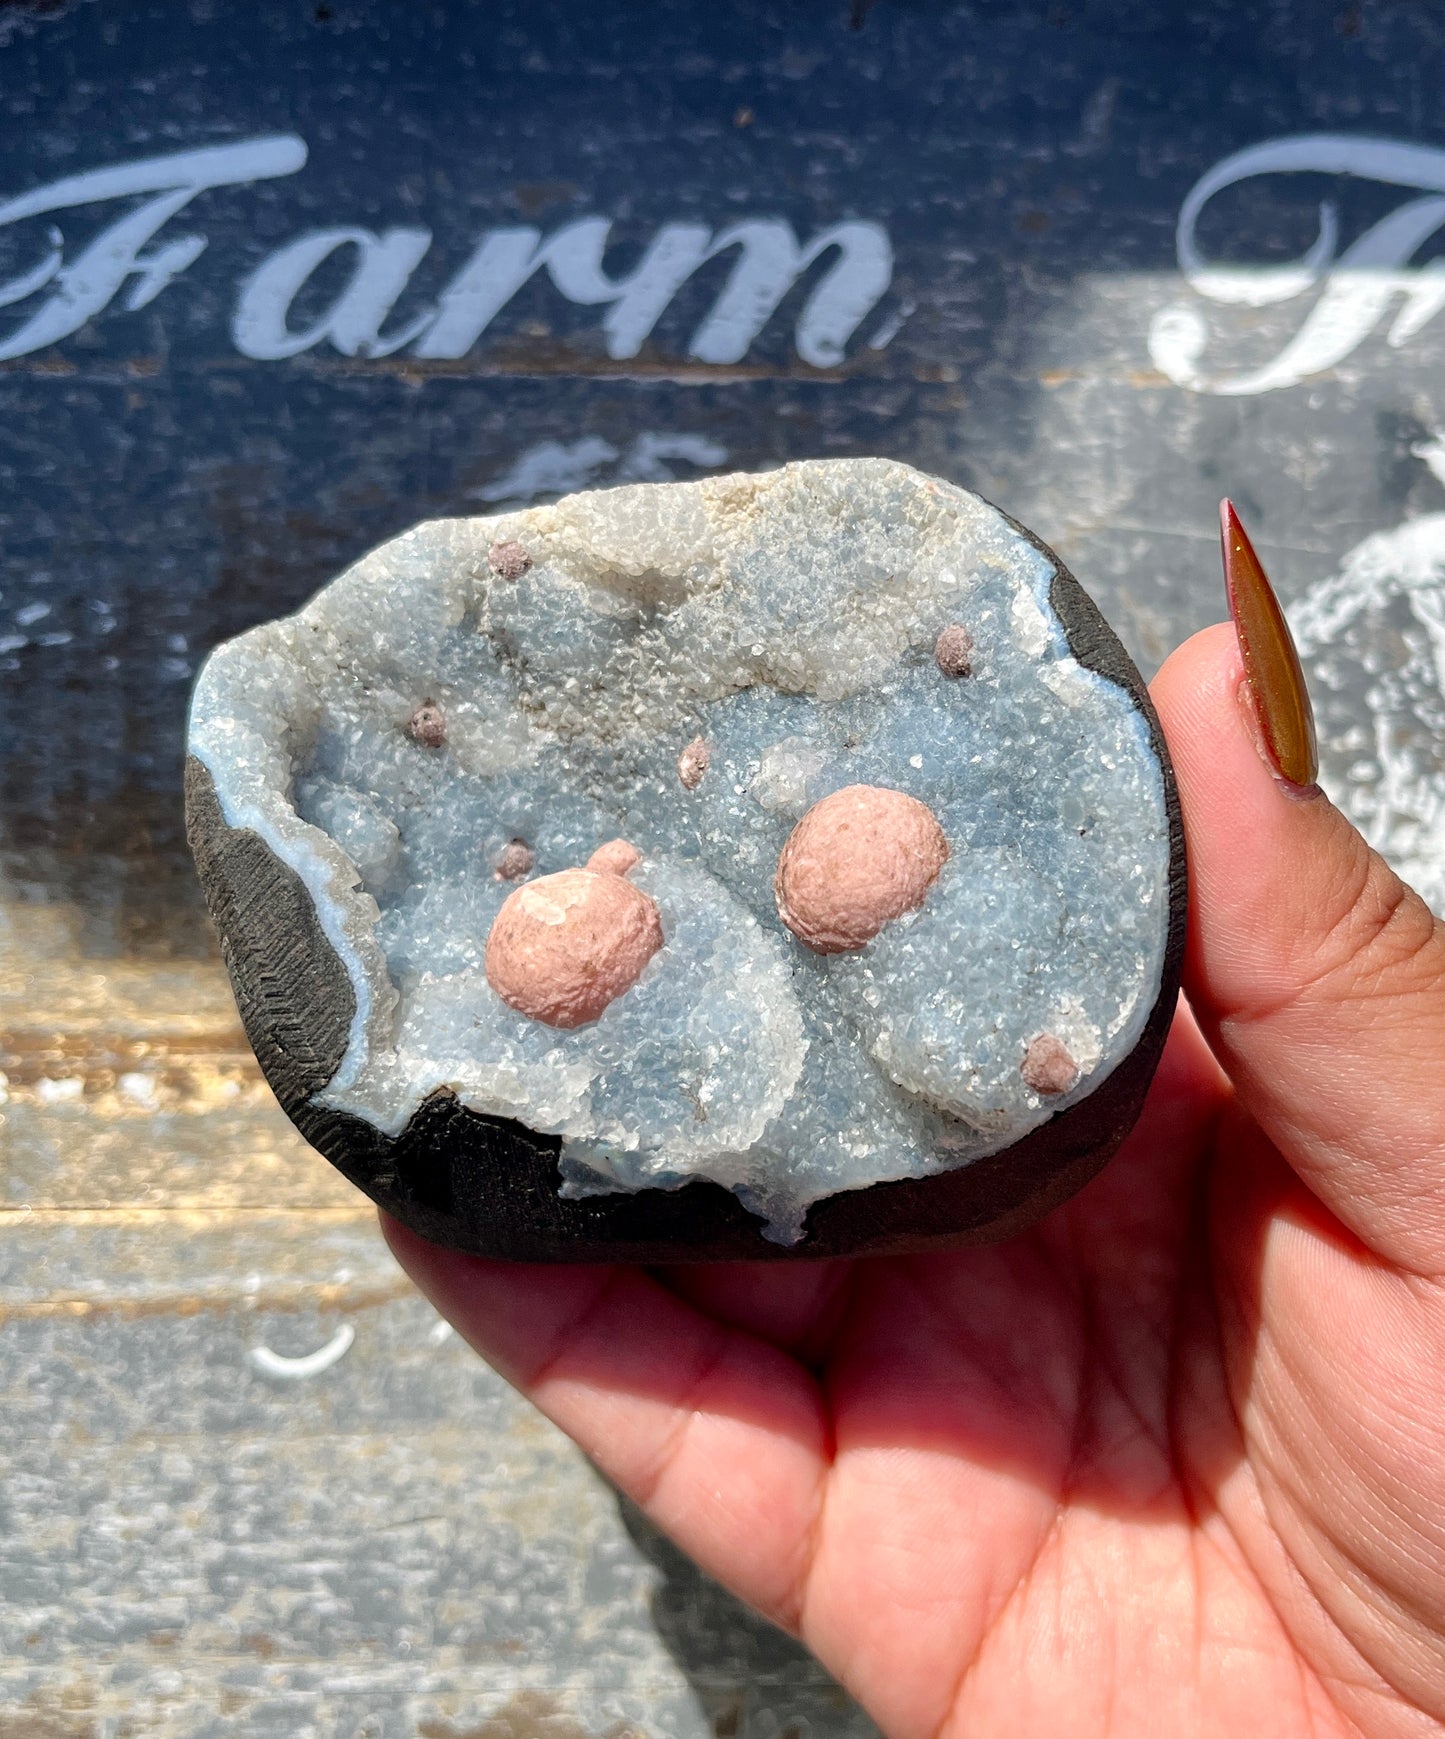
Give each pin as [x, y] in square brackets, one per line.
[1272, 670]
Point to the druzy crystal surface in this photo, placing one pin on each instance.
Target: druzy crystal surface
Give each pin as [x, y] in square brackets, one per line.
[789, 620]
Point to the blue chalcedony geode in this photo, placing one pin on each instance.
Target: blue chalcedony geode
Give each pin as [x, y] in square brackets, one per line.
[746, 1096]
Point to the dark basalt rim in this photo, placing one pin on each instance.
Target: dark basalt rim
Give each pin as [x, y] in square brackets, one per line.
[489, 1185]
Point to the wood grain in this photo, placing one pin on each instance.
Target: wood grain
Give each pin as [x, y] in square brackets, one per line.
[193, 1544]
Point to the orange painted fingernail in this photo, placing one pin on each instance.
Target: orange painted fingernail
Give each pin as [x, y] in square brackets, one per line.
[1271, 665]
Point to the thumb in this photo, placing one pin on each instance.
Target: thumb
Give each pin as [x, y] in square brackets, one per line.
[1316, 974]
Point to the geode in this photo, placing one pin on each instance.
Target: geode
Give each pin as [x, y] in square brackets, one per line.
[692, 667]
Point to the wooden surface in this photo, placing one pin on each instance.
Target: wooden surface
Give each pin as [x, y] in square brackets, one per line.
[194, 1540]
[197, 1539]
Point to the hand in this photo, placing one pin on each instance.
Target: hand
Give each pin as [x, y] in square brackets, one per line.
[1172, 1463]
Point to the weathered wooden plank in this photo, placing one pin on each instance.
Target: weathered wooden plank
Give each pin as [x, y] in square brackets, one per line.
[240, 1155]
[203, 1533]
[189, 1544]
[139, 1261]
[128, 1082]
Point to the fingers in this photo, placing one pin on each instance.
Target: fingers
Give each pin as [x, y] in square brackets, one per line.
[1317, 976]
[722, 1439]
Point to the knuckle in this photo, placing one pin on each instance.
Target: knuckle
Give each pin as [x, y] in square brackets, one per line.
[1377, 934]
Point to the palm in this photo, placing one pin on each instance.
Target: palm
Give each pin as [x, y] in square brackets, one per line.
[1060, 1494]
[1014, 1519]
[1047, 1486]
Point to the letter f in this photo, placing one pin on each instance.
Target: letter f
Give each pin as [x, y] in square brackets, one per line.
[90, 282]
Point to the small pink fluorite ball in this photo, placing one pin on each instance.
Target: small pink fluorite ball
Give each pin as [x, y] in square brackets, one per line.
[618, 857]
[856, 860]
[564, 946]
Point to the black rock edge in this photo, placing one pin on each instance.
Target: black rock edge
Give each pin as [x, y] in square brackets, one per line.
[490, 1185]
